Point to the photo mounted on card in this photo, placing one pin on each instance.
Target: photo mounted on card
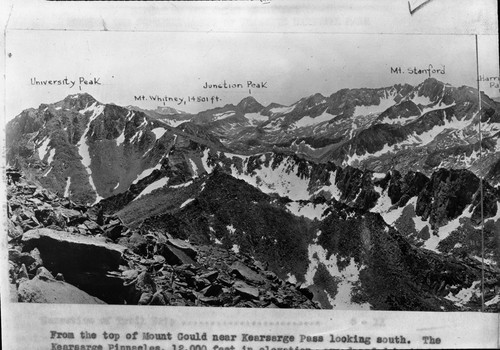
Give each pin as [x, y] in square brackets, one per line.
[178, 189]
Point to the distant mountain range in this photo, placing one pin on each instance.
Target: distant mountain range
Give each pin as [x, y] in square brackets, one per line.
[368, 197]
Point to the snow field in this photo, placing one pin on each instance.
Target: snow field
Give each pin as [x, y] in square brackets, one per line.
[308, 121]
[153, 186]
[83, 147]
[66, 189]
[346, 278]
[308, 210]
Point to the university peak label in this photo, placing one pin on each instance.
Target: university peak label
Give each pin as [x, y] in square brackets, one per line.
[66, 81]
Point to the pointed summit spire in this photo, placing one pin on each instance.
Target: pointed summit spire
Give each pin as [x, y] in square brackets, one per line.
[249, 105]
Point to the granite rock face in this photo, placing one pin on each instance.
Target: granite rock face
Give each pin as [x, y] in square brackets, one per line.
[137, 267]
[44, 288]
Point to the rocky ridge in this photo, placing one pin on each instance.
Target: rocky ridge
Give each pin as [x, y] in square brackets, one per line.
[425, 209]
[400, 127]
[320, 242]
[51, 238]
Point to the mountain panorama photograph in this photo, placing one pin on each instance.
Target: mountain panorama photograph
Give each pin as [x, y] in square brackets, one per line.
[366, 198]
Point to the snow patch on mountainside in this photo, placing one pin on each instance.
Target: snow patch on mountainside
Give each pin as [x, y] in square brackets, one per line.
[422, 139]
[42, 149]
[436, 107]
[256, 118]
[147, 172]
[231, 229]
[497, 215]
[52, 153]
[153, 186]
[308, 121]
[137, 136]
[186, 202]
[469, 160]
[299, 147]
[143, 123]
[66, 189]
[47, 172]
[465, 294]
[120, 139]
[315, 239]
[490, 128]
[224, 115]
[444, 231]
[385, 150]
[430, 135]
[159, 132]
[332, 189]
[204, 161]
[291, 278]
[497, 148]
[309, 210]
[399, 120]
[486, 260]
[415, 139]
[420, 224]
[185, 184]
[493, 301]
[194, 168]
[346, 279]
[383, 202]
[95, 108]
[174, 122]
[282, 180]
[83, 147]
[422, 100]
[385, 102]
[390, 216]
[378, 176]
[282, 110]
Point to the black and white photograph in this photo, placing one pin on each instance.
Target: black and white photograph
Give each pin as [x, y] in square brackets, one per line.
[164, 170]
[269, 171]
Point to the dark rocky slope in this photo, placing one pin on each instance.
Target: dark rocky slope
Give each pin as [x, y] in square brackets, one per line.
[51, 240]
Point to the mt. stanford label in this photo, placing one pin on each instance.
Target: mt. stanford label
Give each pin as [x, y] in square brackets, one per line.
[429, 70]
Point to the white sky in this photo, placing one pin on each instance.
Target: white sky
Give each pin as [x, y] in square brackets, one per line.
[177, 64]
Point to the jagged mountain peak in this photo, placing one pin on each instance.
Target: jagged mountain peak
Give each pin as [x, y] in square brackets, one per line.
[314, 99]
[74, 102]
[431, 82]
[77, 101]
[310, 104]
[249, 105]
[431, 88]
